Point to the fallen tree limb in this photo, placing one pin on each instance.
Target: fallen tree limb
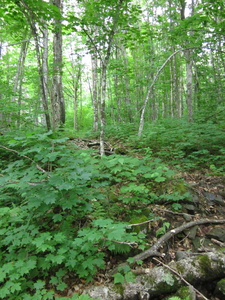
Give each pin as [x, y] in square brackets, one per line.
[153, 251]
[160, 281]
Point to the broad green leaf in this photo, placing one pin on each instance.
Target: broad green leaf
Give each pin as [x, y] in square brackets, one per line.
[38, 285]
[118, 278]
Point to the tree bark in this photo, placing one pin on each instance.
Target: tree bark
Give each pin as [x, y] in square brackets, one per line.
[57, 98]
[141, 123]
[189, 65]
[94, 61]
[189, 83]
[17, 88]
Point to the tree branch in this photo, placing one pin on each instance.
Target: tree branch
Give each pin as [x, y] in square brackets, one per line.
[153, 251]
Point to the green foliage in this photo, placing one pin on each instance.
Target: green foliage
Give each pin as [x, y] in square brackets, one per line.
[121, 279]
[163, 229]
[186, 146]
[124, 275]
[139, 176]
[48, 228]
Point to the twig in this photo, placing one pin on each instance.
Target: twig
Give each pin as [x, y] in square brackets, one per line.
[218, 242]
[131, 244]
[182, 278]
[137, 224]
[174, 212]
[14, 151]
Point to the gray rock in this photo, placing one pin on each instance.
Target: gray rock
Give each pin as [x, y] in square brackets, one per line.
[217, 233]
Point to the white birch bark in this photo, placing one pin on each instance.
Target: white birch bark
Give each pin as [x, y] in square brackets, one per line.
[189, 84]
[141, 123]
[94, 62]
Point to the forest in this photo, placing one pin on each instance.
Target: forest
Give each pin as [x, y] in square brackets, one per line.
[112, 146]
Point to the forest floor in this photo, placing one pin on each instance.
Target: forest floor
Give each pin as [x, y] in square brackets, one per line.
[207, 202]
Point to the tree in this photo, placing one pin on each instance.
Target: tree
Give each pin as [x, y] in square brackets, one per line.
[31, 16]
[100, 24]
[57, 98]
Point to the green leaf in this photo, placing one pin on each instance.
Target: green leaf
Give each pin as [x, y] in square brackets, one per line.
[118, 278]
[160, 179]
[57, 218]
[62, 286]
[39, 285]
[125, 268]
[54, 280]
[129, 277]
[15, 287]
[59, 237]
[130, 260]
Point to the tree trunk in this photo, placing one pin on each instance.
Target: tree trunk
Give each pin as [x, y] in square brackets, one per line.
[189, 83]
[94, 61]
[141, 124]
[31, 21]
[76, 81]
[102, 107]
[45, 62]
[57, 99]
[189, 64]
[17, 88]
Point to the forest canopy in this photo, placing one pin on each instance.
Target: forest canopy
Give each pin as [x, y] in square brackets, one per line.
[87, 64]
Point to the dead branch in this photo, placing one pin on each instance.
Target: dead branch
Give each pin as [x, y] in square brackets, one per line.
[138, 224]
[175, 213]
[153, 251]
[218, 242]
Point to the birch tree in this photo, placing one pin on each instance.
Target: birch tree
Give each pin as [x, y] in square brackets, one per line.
[100, 23]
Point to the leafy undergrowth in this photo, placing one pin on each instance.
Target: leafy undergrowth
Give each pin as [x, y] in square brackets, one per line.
[185, 146]
[68, 216]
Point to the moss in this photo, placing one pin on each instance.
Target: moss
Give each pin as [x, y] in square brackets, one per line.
[147, 212]
[180, 268]
[180, 187]
[205, 265]
[137, 220]
[184, 293]
[118, 288]
[221, 286]
[165, 288]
